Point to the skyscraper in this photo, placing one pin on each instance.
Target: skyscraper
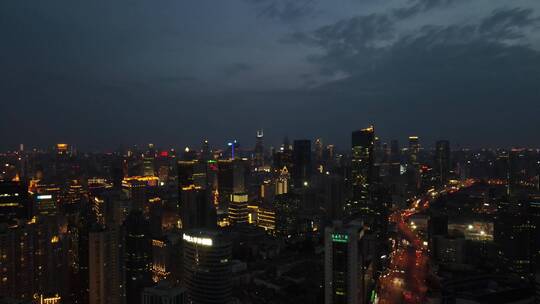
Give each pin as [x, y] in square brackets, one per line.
[301, 173]
[413, 174]
[362, 159]
[442, 161]
[196, 209]
[394, 151]
[17, 251]
[106, 270]
[207, 268]
[414, 149]
[259, 150]
[343, 264]
[137, 255]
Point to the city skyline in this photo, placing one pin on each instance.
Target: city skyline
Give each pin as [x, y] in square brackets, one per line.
[270, 152]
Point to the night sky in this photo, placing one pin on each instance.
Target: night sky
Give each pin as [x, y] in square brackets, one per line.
[104, 73]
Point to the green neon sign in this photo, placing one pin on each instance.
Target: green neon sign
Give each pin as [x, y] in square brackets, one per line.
[340, 238]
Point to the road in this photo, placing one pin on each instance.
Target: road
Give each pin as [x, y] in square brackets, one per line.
[405, 280]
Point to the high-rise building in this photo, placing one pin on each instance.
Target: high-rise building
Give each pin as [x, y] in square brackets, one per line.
[135, 191]
[286, 208]
[207, 266]
[413, 170]
[318, 150]
[514, 234]
[301, 171]
[362, 160]
[196, 208]
[17, 261]
[186, 169]
[107, 283]
[14, 203]
[238, 209]
[414, 150]
[46, 204]
[395, 153]
[138, 252]
[442, 161]
[266, 218]
[259, 150]
[206, 153]
[148, 165]
[165, 258]
[343, 264]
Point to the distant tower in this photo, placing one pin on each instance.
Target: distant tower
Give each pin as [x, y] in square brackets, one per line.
[206, 154]
[259, 150]
[318, 150]
[414, 149]
[442, 161]
[301, 173]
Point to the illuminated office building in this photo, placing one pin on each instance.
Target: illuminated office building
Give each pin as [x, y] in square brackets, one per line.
[161, 260]
[46, 204]
[266, 218]
[14, 201]
[238, 209]
[238, 201]
[207, 268]
[148, 165]
[135, 190]
[362, 164]
[343, 264]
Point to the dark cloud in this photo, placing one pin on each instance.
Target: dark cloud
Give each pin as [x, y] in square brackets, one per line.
[459, 78]
[284, 10]
[507, 23]
[361, 43]
[237, 68]
[415, 7]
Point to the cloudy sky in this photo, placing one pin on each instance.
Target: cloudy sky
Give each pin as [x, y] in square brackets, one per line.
[102, 73]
